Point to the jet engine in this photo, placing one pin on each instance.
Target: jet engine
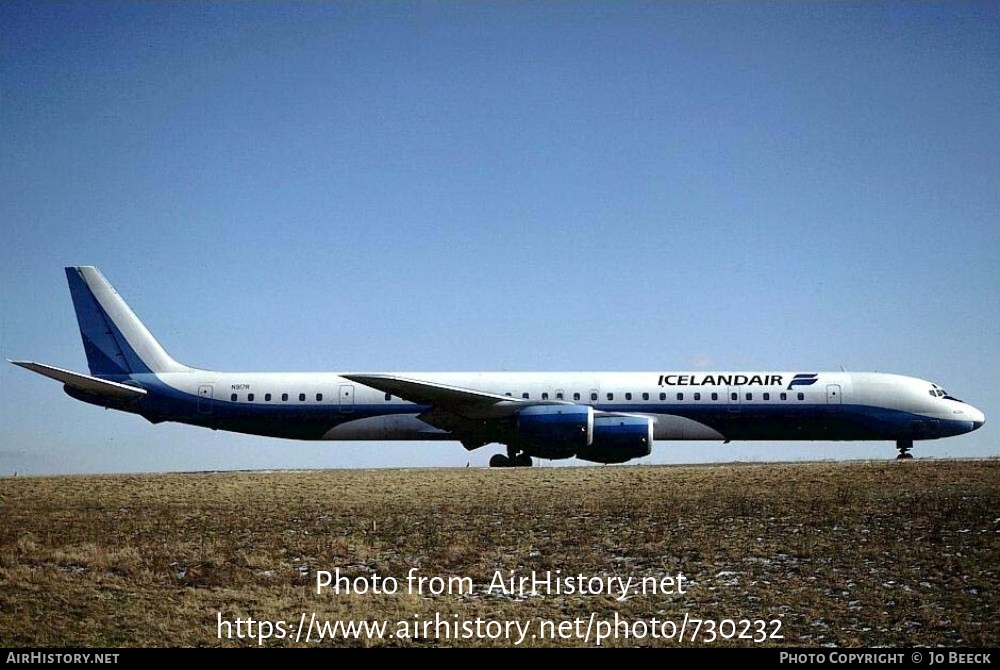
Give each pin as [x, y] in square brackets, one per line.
[555, 431]
[618, 439]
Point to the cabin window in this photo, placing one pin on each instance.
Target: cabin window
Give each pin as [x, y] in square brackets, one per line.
[559, 395]
[284, 396]
[645, 396]
[319, 397]
[767, 396]
[509, 394]
[388, 397]
[302, 397]
[749, 396]
[611, 396]
[680, 396]
[545, 395]
[233, 397]
[250, 397]
[802, 396]
[628, 396]
[576, 396]
[715, 396]
[733, 396]
[784, 396]
[524, 395]
[663, 396]
[697, 396]
[267, 397]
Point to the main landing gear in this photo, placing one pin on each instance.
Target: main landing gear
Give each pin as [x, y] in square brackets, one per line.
[904, 447]
[511, 460]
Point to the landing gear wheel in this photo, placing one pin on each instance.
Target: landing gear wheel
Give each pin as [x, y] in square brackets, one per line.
[513, 459]
[522, 461]
[500, 461]
[904, 447]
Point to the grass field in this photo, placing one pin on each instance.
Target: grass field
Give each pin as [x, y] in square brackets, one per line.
[846, 554]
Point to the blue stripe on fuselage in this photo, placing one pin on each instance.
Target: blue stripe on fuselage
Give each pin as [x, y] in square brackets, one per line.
[811, 421]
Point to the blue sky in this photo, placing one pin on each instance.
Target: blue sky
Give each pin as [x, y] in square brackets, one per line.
[510, 186]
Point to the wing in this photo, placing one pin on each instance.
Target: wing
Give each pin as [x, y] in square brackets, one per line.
[468, 402]
[474, 417]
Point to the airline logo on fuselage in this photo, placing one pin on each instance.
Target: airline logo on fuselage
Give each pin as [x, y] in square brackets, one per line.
[803, 379]
[723, 380]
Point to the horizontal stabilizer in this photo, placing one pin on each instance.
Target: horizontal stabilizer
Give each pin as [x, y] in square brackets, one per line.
[85, 383]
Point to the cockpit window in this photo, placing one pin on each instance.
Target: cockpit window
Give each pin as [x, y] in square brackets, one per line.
[938, 392]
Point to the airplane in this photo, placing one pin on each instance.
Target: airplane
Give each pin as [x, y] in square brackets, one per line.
[601, 417]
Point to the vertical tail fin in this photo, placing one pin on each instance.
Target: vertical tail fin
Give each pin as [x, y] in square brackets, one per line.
[115, 340]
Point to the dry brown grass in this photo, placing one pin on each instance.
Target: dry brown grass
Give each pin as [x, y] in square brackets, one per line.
[855, 554]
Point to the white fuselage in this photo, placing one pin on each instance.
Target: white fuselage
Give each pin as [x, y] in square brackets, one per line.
[674, 400]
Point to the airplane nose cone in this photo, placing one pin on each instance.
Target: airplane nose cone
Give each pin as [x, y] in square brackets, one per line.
[978, 418]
